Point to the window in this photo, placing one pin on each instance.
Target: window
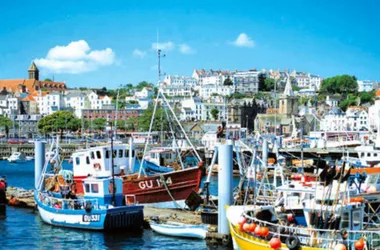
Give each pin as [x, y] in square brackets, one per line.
[120, 153]
[114, 154]
[356, 218]
[107, 154]
[133, 153]
[88, 160]
[98, 155]
[92, 155]
[87, 188]
[77, 161]
[94, 188]
[126, 153]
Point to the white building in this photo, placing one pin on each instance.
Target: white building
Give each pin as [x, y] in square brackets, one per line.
[246, 81]
[357, 119]
[212, 76]
[191, 109]
[97, 102]
[144, 93]
[365, 85]
[177, 90]
[77, 101]
[49, 103]
[180, 81]
[334, 120]
[207, 90]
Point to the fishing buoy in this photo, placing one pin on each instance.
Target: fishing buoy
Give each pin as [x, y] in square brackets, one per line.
[252, 227]
[275, 243]
[264, 231]
[258, 230]
[359, 244]
[290, 217]
[246, 227]
[340, 247]
[241, 222]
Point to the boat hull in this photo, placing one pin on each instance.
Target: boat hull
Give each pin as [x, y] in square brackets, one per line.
[246, 241]
[130, 217]
[168, 188]
[151, 190]
[179, 230]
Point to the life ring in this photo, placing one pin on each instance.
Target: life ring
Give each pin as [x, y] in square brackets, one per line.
[292, 242]
[97, 166]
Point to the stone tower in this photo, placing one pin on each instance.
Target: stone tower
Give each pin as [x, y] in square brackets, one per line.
[288, 101]
[33, 72]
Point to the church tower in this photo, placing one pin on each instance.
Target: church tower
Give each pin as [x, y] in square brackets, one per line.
[288, 101]
[33, 72]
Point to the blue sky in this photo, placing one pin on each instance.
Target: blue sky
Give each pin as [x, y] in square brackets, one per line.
[108, 43]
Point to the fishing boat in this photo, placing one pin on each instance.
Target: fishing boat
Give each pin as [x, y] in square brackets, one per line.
[103, 206]
[259, 227]
[3, 198]
[19, 157]
[176, 229]
[168, 190]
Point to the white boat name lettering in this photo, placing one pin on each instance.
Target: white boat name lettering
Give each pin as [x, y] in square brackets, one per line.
[91, 217]
[150, 183]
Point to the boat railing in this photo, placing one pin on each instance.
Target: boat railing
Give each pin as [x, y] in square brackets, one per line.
[73, 204]
[326, 238]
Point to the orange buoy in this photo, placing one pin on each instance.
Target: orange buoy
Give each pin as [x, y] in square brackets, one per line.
[359, 244]
[340, 247]
[258, 230]
[264, 231]
[275, 243]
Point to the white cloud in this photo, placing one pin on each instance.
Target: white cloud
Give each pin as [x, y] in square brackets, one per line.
[244, 41]
[76, 57]
[139, 53]
[186, 49]
[163, 46]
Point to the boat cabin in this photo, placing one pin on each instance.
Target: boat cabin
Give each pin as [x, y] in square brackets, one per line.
[100, 189]
[162, 156]
[97, 161]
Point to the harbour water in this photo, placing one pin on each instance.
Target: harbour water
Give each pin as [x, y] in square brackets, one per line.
[23, 228]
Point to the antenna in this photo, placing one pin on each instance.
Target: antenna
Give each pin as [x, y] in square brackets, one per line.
[159, 58]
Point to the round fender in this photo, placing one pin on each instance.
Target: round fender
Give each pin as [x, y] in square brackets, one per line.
[292, 242]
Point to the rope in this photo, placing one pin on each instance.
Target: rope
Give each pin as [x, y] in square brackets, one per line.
[163, 181]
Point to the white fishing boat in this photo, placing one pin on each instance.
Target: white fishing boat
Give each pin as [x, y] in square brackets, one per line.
[177, 229]
[19, 157]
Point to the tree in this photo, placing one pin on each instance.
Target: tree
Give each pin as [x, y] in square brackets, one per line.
[342, 84]
[132, 123]
[144, 84]
[269, 84]
[214, 113]
[48, 80]
[160, 120]
[228, 82]
[237, 95]
[261, 79]
[99, 124]
[5, 123]
[367, 97]
[58, 122]
[351, 100]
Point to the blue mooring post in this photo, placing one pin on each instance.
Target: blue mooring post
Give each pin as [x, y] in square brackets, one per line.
[225, 187]
[39, 161]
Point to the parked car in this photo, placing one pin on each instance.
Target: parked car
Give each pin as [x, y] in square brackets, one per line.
[16, 140]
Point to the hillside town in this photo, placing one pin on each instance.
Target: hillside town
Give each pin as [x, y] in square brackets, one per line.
[271, 101]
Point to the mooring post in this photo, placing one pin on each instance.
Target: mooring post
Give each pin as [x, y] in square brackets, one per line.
[225, 186]
[265, 153]
[39, 161]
